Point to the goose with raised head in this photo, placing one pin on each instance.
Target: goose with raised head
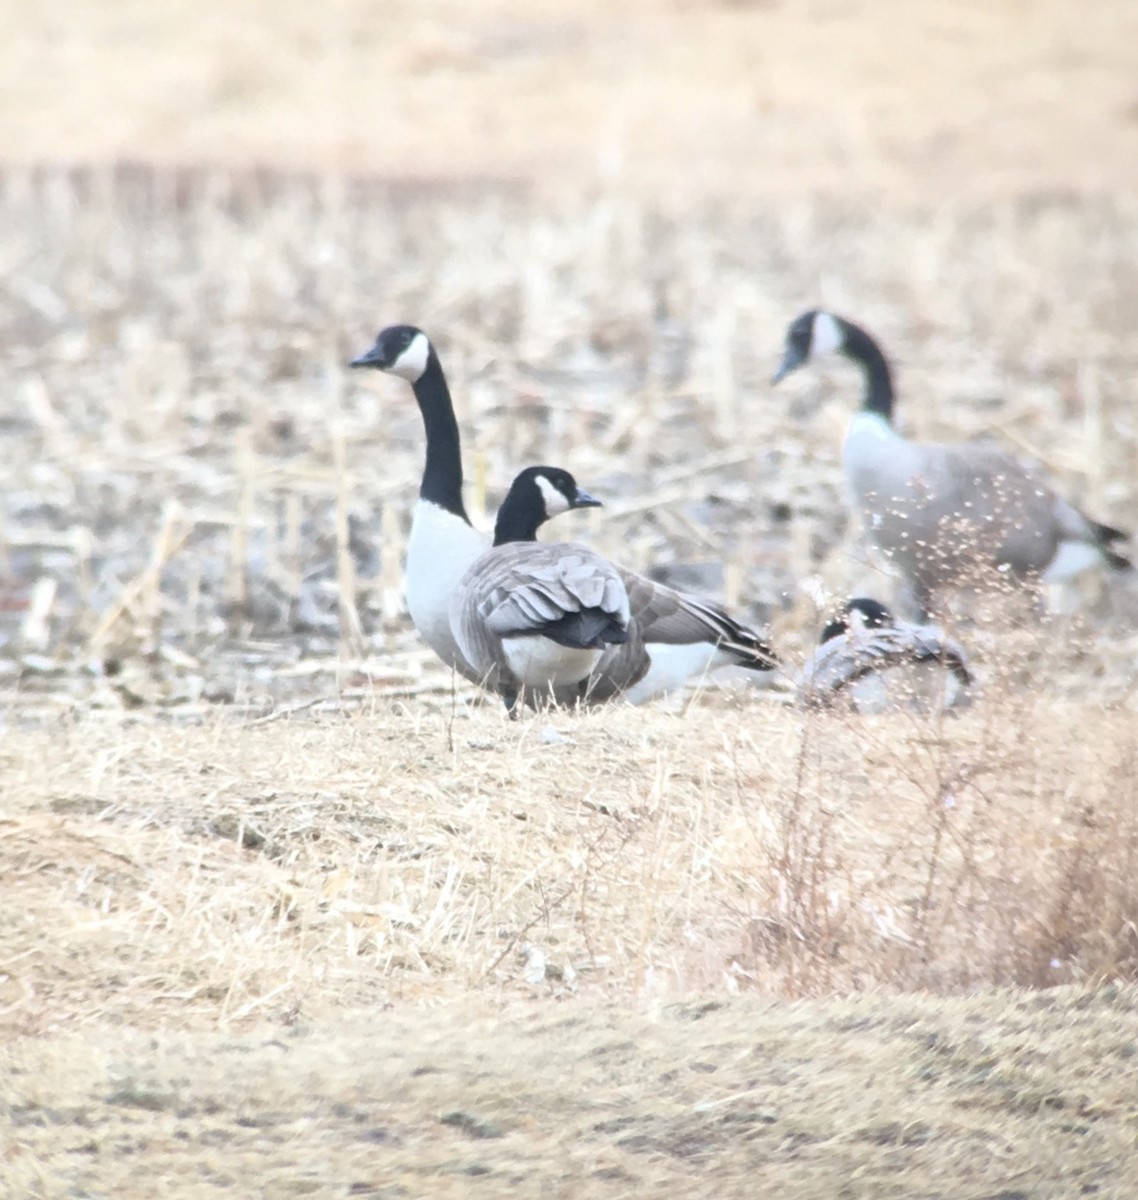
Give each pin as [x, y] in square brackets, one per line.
[672, 637]
[946, 516]
[533, 618]
[443, 542]
[869, 660]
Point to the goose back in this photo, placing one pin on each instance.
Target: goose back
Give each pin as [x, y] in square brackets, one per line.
[887, 664]
[538, 617]
[947, 514]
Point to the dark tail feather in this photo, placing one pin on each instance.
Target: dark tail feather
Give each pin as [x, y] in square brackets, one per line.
[1104, 536]
[951, 660]
[1108, 534]
[589, 629]
[750, 650]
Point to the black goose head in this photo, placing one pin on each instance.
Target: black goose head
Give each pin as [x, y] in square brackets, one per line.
[859, 613]
[401, 350]
[537, 494]
[814, 332]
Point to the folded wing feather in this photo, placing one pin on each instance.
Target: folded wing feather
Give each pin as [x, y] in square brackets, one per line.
[521, 592]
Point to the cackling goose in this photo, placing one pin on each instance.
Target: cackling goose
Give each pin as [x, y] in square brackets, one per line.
[869, 660]
[533, 618]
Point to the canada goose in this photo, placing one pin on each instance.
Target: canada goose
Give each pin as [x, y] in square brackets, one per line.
[533, 618]
[443, 542]
[873, 661]
[936, 511]
[672, 637]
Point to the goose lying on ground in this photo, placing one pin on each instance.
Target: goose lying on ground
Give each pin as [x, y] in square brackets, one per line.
[533, 618]
[869, 660]
[672, 637]
[966, 514]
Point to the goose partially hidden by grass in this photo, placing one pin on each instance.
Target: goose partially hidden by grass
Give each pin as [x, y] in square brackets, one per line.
[868, 660]
[672, 637]
[533, 618]
[947, 516]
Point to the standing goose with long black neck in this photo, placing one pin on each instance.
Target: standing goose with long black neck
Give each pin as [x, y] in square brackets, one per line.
[443, 542]
[968, 514]
[672, 637]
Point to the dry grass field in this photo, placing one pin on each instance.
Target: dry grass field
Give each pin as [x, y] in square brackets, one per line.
[674, 98]
[285, 912]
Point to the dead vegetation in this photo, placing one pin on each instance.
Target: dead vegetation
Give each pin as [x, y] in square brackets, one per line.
[206, 491]
[393, 950]
[231, 871]
[242, 807]
[1001, 1095]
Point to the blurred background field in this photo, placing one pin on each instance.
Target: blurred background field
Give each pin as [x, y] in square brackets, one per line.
[676, 98]
[242, 807]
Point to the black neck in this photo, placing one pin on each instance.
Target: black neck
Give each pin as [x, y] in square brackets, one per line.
[860, 347]
[834, 629]
[442, 473]
[516, 520]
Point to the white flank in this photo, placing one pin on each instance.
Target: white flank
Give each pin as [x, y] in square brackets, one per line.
[826, 336]
[441, 549]
[555, 502]
[675, 666]
[540, 663]
[411, 364]
[1071, 559]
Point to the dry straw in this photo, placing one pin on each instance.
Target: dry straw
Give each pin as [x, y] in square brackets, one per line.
[238, 786]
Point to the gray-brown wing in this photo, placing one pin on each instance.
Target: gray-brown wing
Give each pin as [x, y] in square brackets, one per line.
[524, 587]
[663, 615]
[537, 584]
[960, 506]
[679, 619]
[842, 661]
[1014, 503]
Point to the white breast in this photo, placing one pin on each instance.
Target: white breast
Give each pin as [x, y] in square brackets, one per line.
[441, 548]
[871, 443]
[880, 466]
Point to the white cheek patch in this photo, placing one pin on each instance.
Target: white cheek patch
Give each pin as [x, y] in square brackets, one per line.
[411, 364]
[857, 620]
[555, 502]
[826, 336]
